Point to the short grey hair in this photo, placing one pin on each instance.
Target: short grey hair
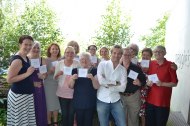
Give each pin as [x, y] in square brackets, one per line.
[160, 47]
[84, 54]
[136, 48]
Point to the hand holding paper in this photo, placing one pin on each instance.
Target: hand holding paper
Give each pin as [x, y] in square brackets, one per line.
[145, 63]
[43, 69]
[67, 70]
[35, 63]
[153, 78]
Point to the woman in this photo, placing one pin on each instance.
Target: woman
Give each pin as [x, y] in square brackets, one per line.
[75, 45]
[159, 96]
[39, 94]
[104, 53]
[85, 85]
[20, 96]
[50, 85]
[62, 74]
[93, 58]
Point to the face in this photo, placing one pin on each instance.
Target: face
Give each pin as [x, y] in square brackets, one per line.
[75, 47]
[159, 54]
[133, 50]
[104, 53]
[126, 57]
[69, 54]
[54, 50]
[92, 50]
[146, 56]
[26, 46]
[85, 61]
[35, 50]
[116, 55]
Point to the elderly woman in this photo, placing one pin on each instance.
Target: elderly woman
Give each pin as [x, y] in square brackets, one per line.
[158, 99]
[85, 85]
[62, 73]
[39, 94]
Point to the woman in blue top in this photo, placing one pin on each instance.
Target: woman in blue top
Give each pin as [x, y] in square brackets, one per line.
[20, 104]
[85, 84]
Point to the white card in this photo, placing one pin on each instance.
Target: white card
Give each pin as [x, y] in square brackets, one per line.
[35, 63]
[94, 59]
[76, 58]
[54, 63]
[67, 70]
[82, 72]
[153, 78]
[43, 69]
[133, 75]
[145, 63]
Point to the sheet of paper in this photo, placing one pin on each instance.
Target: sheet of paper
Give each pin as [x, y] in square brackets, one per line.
[82, 72]
[67, 70]
[145, 63]
[35, 63]
[94, 59]
[133, 75]
[153, 78]
[43, 69]
[54, 63]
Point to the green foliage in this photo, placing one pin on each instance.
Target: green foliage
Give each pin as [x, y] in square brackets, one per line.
[3, 116]
[34, 19]
[115, 28]
[157, 34]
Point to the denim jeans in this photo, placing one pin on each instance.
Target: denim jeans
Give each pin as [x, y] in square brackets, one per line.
[67, 111]
[116, 109]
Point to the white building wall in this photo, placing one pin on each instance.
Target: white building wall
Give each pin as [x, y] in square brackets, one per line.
[178, 50]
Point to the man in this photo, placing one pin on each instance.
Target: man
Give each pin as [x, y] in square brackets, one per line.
[135, 50]
[112, 78]
[131, 98]
[158, 99]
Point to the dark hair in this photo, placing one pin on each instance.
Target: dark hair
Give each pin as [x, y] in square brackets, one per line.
[72, 43]
[93, 46]
[48, 50]
[117, 47]
[149, 50]
[23, 37]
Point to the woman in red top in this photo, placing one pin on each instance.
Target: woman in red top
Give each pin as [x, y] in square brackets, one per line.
[158, 99]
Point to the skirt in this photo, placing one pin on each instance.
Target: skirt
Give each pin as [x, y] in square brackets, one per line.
[20, 110]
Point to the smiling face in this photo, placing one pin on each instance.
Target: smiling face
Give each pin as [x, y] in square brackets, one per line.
[85, 60]
[69, 53]
[127, 55]
[104, 53]
[35, 51]
[92, 50]
[146, 56]
[26, 46]
[159, 52]
[54, 50]
[116, 54]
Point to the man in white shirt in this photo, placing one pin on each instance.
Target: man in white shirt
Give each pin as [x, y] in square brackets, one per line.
[112, 77]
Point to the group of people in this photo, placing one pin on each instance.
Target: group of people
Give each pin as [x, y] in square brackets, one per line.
[117, 87]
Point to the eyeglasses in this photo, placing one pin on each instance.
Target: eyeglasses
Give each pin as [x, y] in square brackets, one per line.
[158, 51]
[93, 49]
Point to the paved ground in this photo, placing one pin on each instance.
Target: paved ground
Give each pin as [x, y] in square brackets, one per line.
[176, 119]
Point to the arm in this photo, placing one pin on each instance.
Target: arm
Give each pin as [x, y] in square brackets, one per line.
[122, 82]
[101, 75]
[72, 80]
[14, 69]
[165, 84]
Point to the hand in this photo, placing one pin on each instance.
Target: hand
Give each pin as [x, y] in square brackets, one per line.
[41, 76]
[145, 70]
[37, 84]
[149, 83]
[30, 70]
[159, 83]
[60, 73]
[74, 77]
[137, 82]
[52, 69]
[90, 76]
[174, 66]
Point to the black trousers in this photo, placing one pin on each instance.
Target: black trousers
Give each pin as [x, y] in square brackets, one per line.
[156, 116]
[84, 117]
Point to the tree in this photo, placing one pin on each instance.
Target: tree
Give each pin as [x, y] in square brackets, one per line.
[34, 19]
[157, 34]
[115, 28]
